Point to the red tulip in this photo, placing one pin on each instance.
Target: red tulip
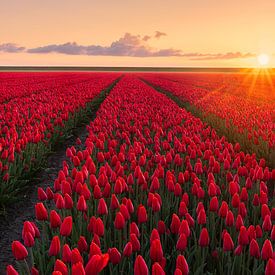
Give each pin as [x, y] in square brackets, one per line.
[119, 221]
[41, 212]
[182, 242]
[81, 204]
[96, 264]
[82, 244]
[267, 250]
[55, 246]
[228, 244]
[19, 251]
[11, 270]
[175, 224]
[61, 267]
[66, 254]
[254, 249]
[78, 269]
[102, 207]
[204, 238]
[156, 252]
[142, 214]
[157, 269]
[140, 267]
[270, 267]
[182, 265]
[128, 249]
[55, 220]
[66, 226]
[76, 256]
[115, 256]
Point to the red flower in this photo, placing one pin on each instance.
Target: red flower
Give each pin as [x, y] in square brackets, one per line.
[11, 270]
[61, 267]
[78, 269]
[267, 250]
[156, 252]
[102, 207]
[66, 254]
[204, 238]
[135, 242]
[157, 269]
[182, 242]
[76, 256]
[243, 236]
[55, 220]
[140, 267]
[175, 224]
[182, 265]
[19, 251]
[66, 226]
[81, 204]
[228, 244]
[55, 246]
[214, 204]
[42, 196]
[267, 224]
[115, 256]
[128, 249]
[82, 244]
[119, 221]
[254, 249]
[41, 212]
[142, 214]
[96, 264]
[270, 267]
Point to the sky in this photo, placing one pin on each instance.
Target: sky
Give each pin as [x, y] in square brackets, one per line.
[180, 33]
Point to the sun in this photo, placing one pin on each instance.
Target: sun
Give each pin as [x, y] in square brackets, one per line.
[263, 59]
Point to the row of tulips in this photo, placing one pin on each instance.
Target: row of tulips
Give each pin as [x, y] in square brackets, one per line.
[34, 119]
[152, 190]
[230, 104]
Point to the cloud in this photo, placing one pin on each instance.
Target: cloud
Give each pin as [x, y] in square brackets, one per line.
[219, 56]
[146, 38]
[159, 34]
[128, 45]
[11, 48]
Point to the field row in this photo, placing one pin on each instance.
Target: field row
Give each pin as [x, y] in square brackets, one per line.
[239, 106]
[152, 189]
[35, 115]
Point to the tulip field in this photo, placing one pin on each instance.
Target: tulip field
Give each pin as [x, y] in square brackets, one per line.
[36, 110]
[156, 188]
[239, 105]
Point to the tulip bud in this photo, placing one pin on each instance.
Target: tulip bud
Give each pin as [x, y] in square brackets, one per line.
[204, 238]
[66, 226]
[19, 251]
[140, 267]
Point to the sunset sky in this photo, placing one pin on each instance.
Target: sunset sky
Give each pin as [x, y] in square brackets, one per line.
[197, 33]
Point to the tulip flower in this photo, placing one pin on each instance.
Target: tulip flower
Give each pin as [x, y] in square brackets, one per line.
[66, 226]
[19, 251]
[267, 250]
[96, 264]
[254, 249]
[140, 267]
[156, 252]
[228, 244]
[204, 238]
[41, 212]
[182, 265]
[55, 246]
[11, 271]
